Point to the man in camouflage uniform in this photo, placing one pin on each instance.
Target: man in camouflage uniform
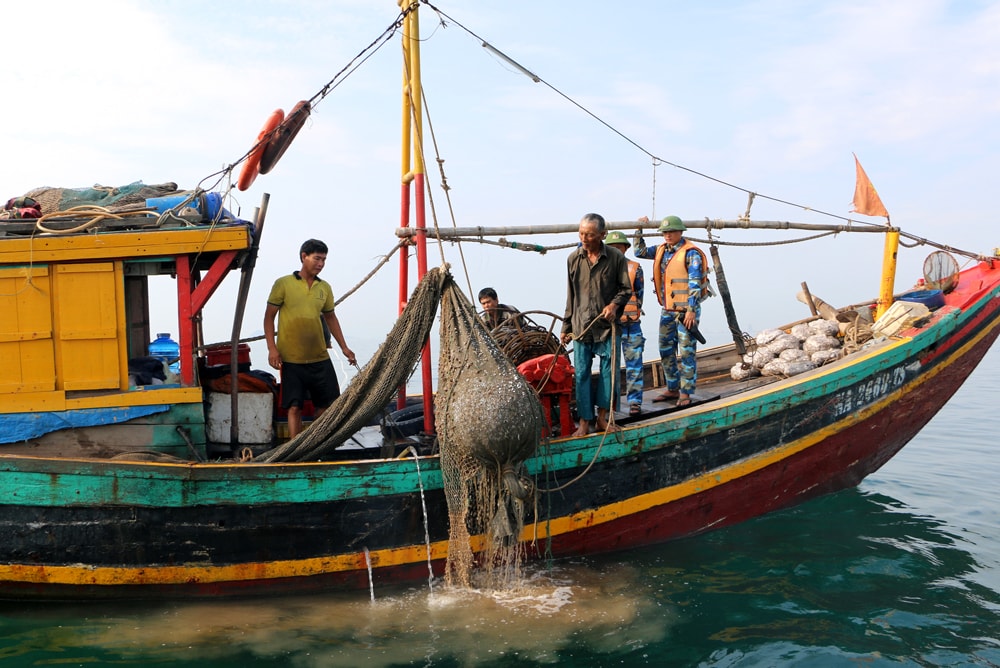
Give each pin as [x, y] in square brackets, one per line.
[633, 343]
[680, 284]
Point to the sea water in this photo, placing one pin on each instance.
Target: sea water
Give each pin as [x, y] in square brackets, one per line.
[902, 571]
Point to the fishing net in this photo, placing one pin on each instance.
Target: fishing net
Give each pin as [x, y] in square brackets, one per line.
[113, 198]
[376, 383]
[489, 420]
[521, 339]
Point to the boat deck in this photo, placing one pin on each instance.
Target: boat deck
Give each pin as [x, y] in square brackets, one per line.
[714, 382]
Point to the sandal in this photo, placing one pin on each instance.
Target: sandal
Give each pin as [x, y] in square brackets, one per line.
[635, 409]
[686, 401]
[666, 396]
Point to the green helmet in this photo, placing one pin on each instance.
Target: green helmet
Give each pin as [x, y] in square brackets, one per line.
[616, 237]
[671, 224]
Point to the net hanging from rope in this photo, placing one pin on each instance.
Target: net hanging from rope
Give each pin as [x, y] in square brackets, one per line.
[489, 420]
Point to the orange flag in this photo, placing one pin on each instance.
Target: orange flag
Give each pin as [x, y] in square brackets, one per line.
[866, 199]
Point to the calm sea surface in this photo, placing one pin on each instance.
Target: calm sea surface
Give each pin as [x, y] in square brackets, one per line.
[902, 571]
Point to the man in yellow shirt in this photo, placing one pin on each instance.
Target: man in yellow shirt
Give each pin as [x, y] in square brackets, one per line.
[299, 300]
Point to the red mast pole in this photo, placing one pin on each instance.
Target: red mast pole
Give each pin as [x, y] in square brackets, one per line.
[413, 136]
[404, 194]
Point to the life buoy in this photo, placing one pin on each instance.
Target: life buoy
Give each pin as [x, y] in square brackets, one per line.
[283, 136]
[251, 168]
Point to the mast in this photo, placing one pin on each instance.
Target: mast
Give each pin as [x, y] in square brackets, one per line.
[404, 193]
[888, 271]
[413, 176]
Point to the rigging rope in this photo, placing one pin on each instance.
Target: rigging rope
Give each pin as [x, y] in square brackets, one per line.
[652, 215]
[752, 244]
[356, 62]
[97, 213]
[515, 245]
[443, 16]
[628, 139]
[370, 274]
[445, 187]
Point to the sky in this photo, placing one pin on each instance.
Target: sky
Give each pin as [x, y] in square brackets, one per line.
[771, 96]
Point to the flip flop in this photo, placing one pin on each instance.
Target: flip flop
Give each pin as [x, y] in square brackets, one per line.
[634, 410]
[666, 396]
[686, 401]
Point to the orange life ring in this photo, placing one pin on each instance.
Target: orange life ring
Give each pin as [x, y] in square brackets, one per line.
[284, 135]
[251, 168]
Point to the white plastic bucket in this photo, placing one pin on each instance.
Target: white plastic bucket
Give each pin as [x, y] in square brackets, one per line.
[256, 411]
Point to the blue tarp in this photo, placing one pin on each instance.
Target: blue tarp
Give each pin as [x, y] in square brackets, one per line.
[22, 426]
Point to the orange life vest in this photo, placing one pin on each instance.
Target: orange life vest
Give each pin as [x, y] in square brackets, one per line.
[676, 273]
[633, 309]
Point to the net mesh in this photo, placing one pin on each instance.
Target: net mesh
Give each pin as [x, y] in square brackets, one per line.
[489, 420]
[113, 198]
[376, 383]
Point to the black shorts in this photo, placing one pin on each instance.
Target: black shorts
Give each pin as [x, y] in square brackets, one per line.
[316, 381]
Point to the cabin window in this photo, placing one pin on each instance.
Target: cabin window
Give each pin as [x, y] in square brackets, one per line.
[149, 282]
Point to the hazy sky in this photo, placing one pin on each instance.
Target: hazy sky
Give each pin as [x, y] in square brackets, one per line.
[772, 96]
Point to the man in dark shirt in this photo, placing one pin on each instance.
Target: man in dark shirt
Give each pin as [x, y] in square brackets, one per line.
[597, 290]
[495, 313]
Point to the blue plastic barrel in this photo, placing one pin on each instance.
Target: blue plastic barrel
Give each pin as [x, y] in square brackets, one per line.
[208, 205]
[167, 350]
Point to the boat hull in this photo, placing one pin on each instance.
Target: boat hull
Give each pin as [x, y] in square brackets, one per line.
[88, 528]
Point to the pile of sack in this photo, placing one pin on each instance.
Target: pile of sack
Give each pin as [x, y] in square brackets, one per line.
[802, 348]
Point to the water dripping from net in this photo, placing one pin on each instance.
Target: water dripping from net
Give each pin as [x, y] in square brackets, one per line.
[371, 581]
[423, 505]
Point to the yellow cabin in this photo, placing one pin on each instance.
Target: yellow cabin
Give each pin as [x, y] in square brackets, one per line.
[76, 309]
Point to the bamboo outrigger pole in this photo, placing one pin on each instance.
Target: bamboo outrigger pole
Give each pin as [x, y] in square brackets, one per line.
[888, 261]
[572, 228]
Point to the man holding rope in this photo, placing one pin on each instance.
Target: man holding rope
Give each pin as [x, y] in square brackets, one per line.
[302, 302]
[597, 290]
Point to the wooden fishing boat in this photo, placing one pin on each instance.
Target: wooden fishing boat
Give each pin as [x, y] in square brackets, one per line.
[109, 489]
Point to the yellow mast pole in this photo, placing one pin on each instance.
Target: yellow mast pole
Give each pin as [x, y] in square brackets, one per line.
[888, 271]
[406, 178]
[414, 173]
[417, 136]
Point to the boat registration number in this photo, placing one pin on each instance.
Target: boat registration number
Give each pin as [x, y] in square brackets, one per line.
[859, 396]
